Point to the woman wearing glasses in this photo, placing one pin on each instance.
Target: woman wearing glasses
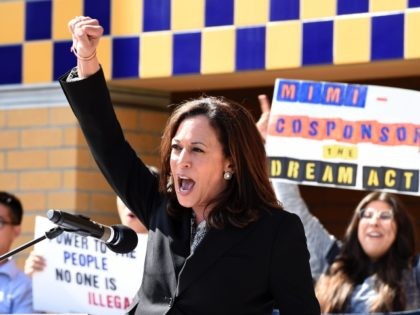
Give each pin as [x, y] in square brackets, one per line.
[375, 268]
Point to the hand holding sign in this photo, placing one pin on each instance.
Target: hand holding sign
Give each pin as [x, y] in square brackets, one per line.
[34, 263]
[262, 123]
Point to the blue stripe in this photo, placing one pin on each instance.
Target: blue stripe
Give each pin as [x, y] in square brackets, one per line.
[100, 10]
[218, 13]
[63, 58]
[11, 64]
[413, 3]
[157, 15]
[387, 37]
[38, 20]
[250, 48]
[317, 45]
[352, 6]
[186, 53]
[281, 10]
[125, 58]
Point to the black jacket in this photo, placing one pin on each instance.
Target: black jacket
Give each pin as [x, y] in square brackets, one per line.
[232, 271]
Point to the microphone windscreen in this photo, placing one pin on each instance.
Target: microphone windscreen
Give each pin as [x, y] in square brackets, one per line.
[53, 215]
[125, 239]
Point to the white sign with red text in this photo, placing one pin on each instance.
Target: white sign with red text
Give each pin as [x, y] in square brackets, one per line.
[84, 276]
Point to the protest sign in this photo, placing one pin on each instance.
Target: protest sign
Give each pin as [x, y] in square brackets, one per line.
[345, 135]
[84, 276]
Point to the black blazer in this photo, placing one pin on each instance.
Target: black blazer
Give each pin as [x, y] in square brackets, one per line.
[233, 270]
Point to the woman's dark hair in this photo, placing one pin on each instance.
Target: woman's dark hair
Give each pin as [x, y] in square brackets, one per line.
[13, 203]
[352, 265]
[249, 190]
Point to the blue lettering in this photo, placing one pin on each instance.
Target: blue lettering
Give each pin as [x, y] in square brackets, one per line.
[348, 131]
[355, 96]
[416, 135]
[366, 131]
[325, 93]
[330, 126]
[384, 134]
[310, 92]
[85, 260]
[333, 94]
[65, 238]
[288, 91]
[313, 128]
[297, 126]
[401, 133]
[279, 125]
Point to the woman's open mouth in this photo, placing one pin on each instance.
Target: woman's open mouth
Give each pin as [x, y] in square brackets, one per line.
[185, 184]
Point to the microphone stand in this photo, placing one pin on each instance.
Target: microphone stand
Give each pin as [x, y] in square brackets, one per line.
[53, 233]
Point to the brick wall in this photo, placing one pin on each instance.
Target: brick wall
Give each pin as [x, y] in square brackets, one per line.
[45, 161]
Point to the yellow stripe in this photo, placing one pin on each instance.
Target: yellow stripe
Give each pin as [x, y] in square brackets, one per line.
[37, 67]
[104, 55]
[283, 47]
[187, 15]
[156, 54]
[251, 12]
[127, 17]
[352, 40]
[310, 9]
[12, 22]
[411, 41]
[218, 50]
[387, 5]
[63, 11]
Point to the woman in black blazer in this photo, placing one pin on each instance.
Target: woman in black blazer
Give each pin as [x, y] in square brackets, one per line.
[219, 241]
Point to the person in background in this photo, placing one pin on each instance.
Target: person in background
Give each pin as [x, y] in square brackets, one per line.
[15, 286]
[129, 219]
[219, 241]
[375, 267]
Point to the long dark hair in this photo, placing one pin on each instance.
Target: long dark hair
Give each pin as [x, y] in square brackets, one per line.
[249, 191]
[352, 265]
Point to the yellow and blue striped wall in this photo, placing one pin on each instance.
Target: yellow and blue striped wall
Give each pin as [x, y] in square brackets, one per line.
[165, 38]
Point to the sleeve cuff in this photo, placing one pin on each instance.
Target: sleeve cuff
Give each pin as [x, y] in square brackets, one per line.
[73, 75]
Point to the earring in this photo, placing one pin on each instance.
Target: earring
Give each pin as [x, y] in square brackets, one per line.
[227, 175]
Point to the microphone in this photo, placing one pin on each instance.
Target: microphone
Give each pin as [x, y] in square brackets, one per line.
[118, 238]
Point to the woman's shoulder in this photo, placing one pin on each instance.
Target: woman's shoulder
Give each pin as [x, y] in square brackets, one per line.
[280, 217]
[280, 213]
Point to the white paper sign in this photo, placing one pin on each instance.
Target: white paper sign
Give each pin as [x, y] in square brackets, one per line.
[343, 135]
[83, 275]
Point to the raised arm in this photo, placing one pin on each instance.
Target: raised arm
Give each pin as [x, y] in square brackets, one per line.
[86, 90]
[321, 244]
[86, 33]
